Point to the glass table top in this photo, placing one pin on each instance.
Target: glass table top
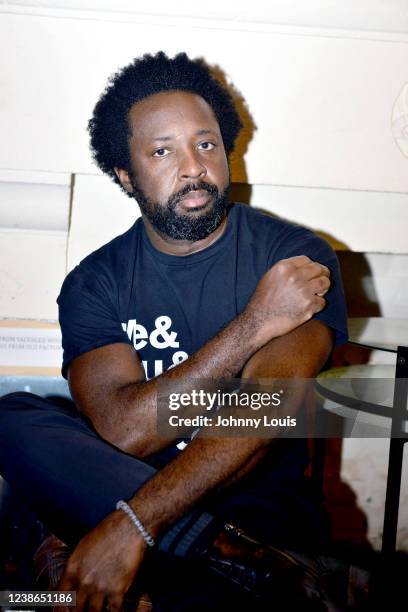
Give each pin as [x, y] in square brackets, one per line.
[382, 333]
[363, 396]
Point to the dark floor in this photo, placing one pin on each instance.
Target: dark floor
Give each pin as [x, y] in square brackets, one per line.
[20, 536]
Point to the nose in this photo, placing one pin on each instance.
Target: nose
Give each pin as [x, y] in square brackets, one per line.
[191, 166]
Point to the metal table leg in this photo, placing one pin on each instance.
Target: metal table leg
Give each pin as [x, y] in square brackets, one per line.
[396, 453]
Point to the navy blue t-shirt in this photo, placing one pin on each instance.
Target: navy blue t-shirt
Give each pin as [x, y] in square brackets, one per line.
[168, 306]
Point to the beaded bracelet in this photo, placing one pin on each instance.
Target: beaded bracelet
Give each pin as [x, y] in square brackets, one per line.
[122, 505]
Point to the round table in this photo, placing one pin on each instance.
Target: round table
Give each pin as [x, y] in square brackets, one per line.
[362, 395]
[380, 333]
[379, 409]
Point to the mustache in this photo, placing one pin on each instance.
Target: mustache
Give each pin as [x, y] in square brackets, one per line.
[202, 185]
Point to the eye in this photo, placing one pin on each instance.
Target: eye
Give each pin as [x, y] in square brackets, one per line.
[206, 146]
[161, 152]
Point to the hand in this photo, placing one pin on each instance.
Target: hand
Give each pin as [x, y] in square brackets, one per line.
[104, 564]
[288, 294]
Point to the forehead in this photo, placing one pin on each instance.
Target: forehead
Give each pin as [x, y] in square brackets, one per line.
[171, 110]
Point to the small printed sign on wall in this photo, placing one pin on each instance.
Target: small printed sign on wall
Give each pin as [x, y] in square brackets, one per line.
[38, 347]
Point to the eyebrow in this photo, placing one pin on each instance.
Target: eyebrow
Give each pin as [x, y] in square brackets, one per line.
[202, 132]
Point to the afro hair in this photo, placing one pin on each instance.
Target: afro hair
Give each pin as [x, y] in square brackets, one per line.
[145, 76]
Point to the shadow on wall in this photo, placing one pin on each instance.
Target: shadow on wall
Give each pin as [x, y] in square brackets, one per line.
[236, 159]
[361, 298]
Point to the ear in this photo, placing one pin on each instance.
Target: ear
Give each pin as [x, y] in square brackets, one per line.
[124, 179]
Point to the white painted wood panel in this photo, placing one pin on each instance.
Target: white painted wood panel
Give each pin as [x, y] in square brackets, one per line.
[364, 221]
[34, 206]
[32, 269]
[369, 15]
[100, 211]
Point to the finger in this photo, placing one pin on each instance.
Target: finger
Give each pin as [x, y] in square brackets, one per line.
[81, 600]
[115, 602]
[64, 585]
[314, 269]
[96, 602]
[314, 290]
[312, 274]
[318, 304]
[324, 270]
[320, 286]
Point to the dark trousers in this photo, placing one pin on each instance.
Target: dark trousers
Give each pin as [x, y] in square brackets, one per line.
[71, 478]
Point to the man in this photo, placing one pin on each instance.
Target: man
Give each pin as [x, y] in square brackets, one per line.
[196, 289]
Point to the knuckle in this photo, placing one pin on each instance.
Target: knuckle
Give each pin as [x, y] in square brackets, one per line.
[320, 304]
[98, 586]
[90, 582]
[288, 264]
[282, 265]
[71, 569]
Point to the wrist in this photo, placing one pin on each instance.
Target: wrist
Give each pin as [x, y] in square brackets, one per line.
[125, 509]
[126, 532]
[149, 518]
[252, 327]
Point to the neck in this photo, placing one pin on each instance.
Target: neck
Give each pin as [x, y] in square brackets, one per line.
[182, 248]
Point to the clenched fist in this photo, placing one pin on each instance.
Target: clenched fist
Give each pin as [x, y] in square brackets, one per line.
[288, 294]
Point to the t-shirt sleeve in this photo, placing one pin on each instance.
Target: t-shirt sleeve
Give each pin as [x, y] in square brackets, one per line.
[88, 314]
[305, 242]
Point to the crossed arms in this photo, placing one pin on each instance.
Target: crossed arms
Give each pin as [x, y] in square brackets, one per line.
[273, 337]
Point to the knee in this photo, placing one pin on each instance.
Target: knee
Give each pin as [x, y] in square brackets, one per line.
[15, 418]
[14, 397]
[12, 406]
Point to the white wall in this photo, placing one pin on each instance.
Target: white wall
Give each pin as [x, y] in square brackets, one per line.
[33, 263]
[100, 211]
[322, 103]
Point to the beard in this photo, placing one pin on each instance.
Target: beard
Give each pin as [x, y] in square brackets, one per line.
[184, 226]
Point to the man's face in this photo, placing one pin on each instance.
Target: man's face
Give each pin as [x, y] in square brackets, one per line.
[180, 174]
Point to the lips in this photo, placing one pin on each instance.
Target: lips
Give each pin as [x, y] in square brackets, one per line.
[195, 199]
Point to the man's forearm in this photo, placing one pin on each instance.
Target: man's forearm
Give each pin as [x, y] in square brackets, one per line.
[222, 357]
[205, 465]
[124, 412]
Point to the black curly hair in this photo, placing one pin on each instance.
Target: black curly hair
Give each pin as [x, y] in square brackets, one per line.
[145, 76]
